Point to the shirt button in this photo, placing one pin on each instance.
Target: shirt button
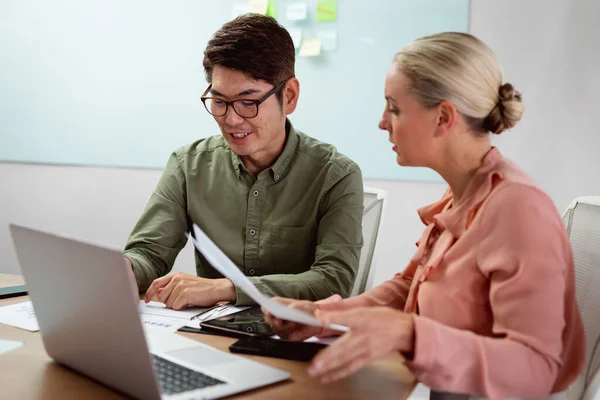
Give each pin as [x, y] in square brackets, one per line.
[276, 177]
[255, 193]
[252, 272]
[252, 232]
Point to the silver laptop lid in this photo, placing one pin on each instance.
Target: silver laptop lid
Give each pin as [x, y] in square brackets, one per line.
[86, 310]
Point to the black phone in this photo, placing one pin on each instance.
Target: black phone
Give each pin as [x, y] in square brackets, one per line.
[12, 291]
[298, 351]
[249, 322]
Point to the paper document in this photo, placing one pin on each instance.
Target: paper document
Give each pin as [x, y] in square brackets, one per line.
[224, 265]
[8, 345]
[20, 315]
[155, 313]
[163, 324]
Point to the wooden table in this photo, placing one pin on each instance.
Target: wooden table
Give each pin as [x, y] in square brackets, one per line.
[28, 372]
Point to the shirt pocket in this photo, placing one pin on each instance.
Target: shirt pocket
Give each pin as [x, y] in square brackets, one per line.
[286, 250]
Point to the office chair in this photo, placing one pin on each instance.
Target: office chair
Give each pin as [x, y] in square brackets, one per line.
[374, 200]
[582, 220]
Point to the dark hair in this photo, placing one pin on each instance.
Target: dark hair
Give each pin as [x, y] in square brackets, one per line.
[507, 112]
[255, 45]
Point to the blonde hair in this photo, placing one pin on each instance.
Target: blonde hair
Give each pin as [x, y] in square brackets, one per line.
[460, 68]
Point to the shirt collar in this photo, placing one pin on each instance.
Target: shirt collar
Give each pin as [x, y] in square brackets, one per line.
[282, 163]
[456, 218]
[280, 167]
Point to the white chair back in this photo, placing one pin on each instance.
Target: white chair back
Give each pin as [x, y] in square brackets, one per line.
[374, 200]
[582, 220]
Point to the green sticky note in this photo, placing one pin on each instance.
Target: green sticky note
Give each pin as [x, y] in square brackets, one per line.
[272, 9]
[326, 11]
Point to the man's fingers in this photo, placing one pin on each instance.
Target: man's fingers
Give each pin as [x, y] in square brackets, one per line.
[180, 300]
[155, 285]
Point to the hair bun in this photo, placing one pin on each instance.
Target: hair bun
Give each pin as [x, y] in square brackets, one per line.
[507, 92]
[507, 112]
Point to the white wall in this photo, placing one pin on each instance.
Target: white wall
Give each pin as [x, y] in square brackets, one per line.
[549, 51]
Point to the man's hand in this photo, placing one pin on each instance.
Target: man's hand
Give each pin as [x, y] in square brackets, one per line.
[179, 290]
[374, 333]
[295, 331]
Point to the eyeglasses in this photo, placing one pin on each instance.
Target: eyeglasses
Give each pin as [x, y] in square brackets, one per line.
[210, 312]
[245, 108]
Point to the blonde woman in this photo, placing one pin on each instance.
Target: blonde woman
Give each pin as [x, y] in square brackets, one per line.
[486, 307]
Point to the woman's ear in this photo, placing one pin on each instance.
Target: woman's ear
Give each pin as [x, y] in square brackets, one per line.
[291, 92]
[447, 115]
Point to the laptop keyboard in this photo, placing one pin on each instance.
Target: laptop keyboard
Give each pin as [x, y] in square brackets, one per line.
[174, 378]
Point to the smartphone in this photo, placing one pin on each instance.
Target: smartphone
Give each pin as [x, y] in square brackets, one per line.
[12, 291]
[267, 347]
[249, 322]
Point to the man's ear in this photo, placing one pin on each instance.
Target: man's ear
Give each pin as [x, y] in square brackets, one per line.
[291, 92]
[447, 115]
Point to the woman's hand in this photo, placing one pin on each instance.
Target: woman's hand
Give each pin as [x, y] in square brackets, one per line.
[374, 333]
[294, 331]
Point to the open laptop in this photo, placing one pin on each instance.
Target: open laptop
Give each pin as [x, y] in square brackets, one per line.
[89, 321]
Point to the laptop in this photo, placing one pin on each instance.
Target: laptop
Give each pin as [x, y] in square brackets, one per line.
[89, 321]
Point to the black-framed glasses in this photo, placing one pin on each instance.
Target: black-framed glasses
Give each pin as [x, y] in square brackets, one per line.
[245, 108]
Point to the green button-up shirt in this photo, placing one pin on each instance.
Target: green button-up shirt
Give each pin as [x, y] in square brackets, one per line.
[295, 229]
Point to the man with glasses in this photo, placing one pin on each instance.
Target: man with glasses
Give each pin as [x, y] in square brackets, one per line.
[286, 208]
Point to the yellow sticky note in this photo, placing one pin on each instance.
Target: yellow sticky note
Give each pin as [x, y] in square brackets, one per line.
[310, 48]
[272, 9]
[258, 6]
[326, 11]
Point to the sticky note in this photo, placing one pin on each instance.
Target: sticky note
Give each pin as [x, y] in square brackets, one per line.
[296, 35]
[258, 6]
[326, 11]
[296, 11]
[310, 47]
[328, 39]
[272, 9]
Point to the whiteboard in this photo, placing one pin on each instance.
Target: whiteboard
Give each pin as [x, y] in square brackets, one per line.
[118, 83]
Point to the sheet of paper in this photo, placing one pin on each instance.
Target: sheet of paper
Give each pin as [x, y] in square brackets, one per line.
[225, 266]
[258, 6]
[296, 11]
[310, 47]
[20, 315]
[326, 11]
[159, 310]
[162, 324]
[8, 345]
[328, 39]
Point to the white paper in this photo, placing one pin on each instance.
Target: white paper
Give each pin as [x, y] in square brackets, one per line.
[328, 39]
[162, 324]
[20, 315]
[225, 266]
[296, 11]
[8, 345]
[296, 34]
[159, 310]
